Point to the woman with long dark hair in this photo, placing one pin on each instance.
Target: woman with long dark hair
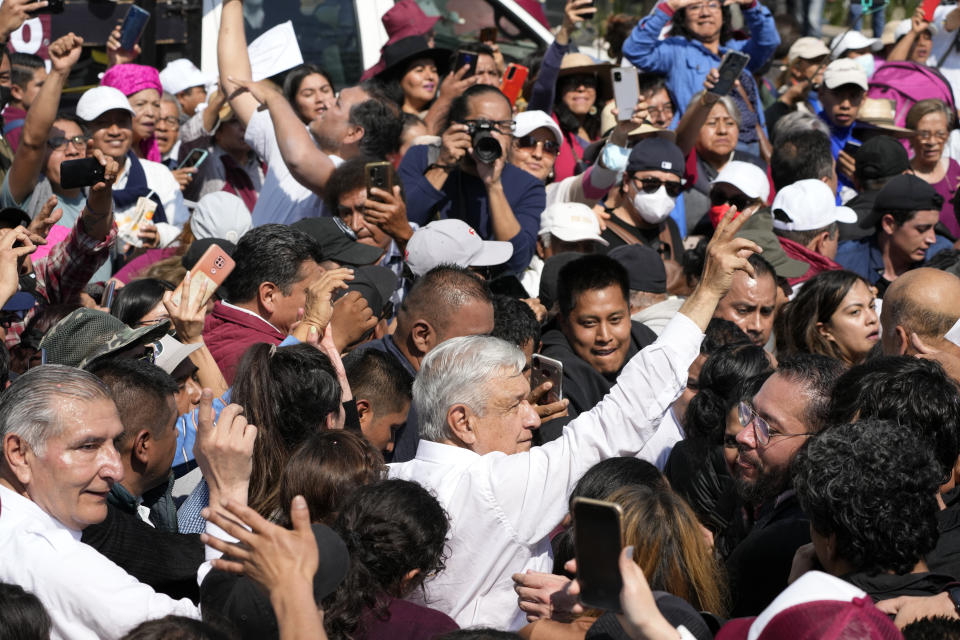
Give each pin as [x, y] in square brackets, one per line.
[412, 74]
[310, 90]
[140, 303]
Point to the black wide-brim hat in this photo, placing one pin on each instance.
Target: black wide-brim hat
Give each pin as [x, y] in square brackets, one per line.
[401, 53]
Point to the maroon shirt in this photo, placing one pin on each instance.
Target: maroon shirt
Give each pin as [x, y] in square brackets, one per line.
[228, 333]
[405, 621]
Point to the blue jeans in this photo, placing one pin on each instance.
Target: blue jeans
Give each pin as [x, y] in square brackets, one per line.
[878, 17]
[810, 14]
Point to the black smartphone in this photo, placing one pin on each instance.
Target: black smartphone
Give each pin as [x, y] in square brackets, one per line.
[466, 59]
[851, 148]
[732, 66]
[194, 159]
[489, 34]
[107, 300]
[379, 175]
[133, 26]
[53, 6]
[84, 172]
[544, 369]
[598, 541]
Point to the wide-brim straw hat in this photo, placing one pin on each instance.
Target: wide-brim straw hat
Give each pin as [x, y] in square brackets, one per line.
[880, 113]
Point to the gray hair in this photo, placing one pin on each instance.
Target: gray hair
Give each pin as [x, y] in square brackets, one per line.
[166, 96]
[460, 371]
[799, 121]
[727, 103]
[30, 407]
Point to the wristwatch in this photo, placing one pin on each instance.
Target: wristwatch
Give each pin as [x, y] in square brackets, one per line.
[954, 592]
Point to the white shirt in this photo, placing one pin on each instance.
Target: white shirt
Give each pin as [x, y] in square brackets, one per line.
[503, 508]
[282, 200]
[530, 278]
[86, 594]
[657, 449]
[161, 181]
[940, 48]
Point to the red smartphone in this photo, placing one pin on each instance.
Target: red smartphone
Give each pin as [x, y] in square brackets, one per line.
[513, 79]
[211, 270]
[929, 6]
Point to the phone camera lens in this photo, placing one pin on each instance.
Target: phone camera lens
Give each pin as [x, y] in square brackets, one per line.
[617, 76]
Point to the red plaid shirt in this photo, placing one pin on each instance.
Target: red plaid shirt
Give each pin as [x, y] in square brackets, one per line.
[64, 272]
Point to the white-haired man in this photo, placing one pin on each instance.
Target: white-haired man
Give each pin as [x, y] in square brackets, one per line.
[505, 498]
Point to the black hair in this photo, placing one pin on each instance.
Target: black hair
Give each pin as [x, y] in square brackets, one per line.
[382, 127]
[478, 633]
[269, 253]
[140, 390]
[933, 628]
[177, 628]
[349, 176]
[801, 155]
[22, 615]
[619, 26]
[461, 104]
[721, 333]
[515, 322]
[22, 68]
[679, 23]
[439, 294]
[287, 392]
[296, 76]
[888, 388]
[591, 272]
[873, 485]
[693, 260]
[945, 260]
[4, 367]
[377, 377]
[138, 298]
[612, 474]
[390, 528]
[719, 381]
[903, 216]
[761, 267]
[478, 48]
[72, 117]
[570, 122]
[819, 375]
[650, 83]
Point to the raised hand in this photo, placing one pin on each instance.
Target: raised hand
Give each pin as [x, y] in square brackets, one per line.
[575, 12]
[389, 212]
[455, 143]
[13, 13]
[544, 595]
[224, 450]
[15, 245]
[64, 52]
[116, 54]
[189, 314]
[318, 308]
[49, 215]
[727, 254]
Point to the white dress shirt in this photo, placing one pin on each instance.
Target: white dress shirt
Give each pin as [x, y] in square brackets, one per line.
[86, 594]
[282, 200]
[502, 508]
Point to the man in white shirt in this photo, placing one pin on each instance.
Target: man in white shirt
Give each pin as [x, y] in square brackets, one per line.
[505, 498]
[57, 428]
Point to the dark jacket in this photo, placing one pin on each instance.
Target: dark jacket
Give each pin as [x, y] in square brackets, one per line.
[945, 557]
[583, 385]
[884, 586]
[228, 333]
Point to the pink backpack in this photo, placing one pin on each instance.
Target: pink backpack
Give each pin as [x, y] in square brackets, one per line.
[907, 83]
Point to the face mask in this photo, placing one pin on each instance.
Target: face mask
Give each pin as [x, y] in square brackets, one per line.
[866, 63]
[654, 207]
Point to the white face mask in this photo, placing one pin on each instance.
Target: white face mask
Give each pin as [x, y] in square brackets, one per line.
[866, 63]
[654, 207]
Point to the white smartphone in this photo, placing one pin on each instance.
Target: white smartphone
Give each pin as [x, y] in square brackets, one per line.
[626, 91]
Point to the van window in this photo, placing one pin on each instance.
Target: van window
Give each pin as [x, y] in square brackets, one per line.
[462, 20]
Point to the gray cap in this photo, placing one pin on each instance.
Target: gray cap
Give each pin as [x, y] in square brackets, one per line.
[87, 335]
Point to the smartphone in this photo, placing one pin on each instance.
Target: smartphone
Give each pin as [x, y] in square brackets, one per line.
[544, 369]
[466, 59]
[598, 540]
[53, 6]
[626, 91]
[379, 175]
[84, 172]
[732, 66]
[133, 26]
[107, 300]
[194, 159]
[489, 34]
[851, 148]
[513, 79]
[211, 270]
[929, 6]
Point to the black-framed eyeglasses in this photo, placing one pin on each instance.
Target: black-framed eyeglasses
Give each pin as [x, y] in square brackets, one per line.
[59, 142]
[761, 429]
[666, 110]
[529, 142]
[741, 202]
[506, 127]
[650, 185]
[170, 121]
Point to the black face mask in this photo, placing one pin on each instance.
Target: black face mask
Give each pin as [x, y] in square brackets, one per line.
[5, 95]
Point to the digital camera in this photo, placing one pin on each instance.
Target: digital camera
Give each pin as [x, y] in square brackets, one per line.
[486, 147]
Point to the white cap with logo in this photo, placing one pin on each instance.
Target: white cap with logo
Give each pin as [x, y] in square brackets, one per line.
[571, 222]
[853, 41]
[747, 177]
[844, 71]
[97, 101]
[806, 205]
[453, 241]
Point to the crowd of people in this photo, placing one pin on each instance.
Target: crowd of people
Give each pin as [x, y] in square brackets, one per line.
[451, 315]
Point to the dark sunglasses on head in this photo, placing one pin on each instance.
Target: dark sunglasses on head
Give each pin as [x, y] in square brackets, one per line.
[529, 142]
[740, 202]
[650, 185]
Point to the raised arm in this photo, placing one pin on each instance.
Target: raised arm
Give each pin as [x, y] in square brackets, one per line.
[644, 48]
[544, 88]
[764, 37]
[696, 114]
[233, 61]
[901, 50]
[188, 317]
[28, 161]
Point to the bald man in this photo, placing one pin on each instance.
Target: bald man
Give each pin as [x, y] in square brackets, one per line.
[925, 302]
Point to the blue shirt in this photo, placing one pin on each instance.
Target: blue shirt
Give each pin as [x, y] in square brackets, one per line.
[864, 257]
[464, 197]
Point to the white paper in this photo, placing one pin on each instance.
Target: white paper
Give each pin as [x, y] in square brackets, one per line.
[275, 51]
[954, 334]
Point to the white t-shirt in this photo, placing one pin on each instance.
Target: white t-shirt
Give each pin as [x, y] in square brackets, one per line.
[941, 47]
[282, 200]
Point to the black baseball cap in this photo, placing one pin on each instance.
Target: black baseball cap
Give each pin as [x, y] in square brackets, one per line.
[550, 276]
[11, 217]
[337, 242]
[903, 193]
[656, 154]
[881, 157]
[375, 284]
[643, 265]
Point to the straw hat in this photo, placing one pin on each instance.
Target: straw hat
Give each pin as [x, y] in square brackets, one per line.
[880, 113]
[582, 64]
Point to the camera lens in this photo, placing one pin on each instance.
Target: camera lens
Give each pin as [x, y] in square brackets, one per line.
[616, 76]
[486, 147]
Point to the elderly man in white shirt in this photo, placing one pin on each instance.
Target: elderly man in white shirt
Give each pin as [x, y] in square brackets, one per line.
[57, 428]
[505, 498]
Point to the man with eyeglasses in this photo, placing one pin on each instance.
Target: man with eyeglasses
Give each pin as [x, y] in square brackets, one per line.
[499, 200]
[660, 108]
[791, 406]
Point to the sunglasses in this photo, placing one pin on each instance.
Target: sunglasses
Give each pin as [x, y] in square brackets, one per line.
[740, 202]
[59, 142]
[529, 142]
[650, 185]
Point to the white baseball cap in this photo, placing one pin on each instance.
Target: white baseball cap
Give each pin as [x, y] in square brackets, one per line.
[220, 215]
[180, 75]
[530, 121]
[453, 241]
[844, 71]
[807, 48]
[853, 41]
[571, 222]
[747, 177]
[806, 205]
[97, 101]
